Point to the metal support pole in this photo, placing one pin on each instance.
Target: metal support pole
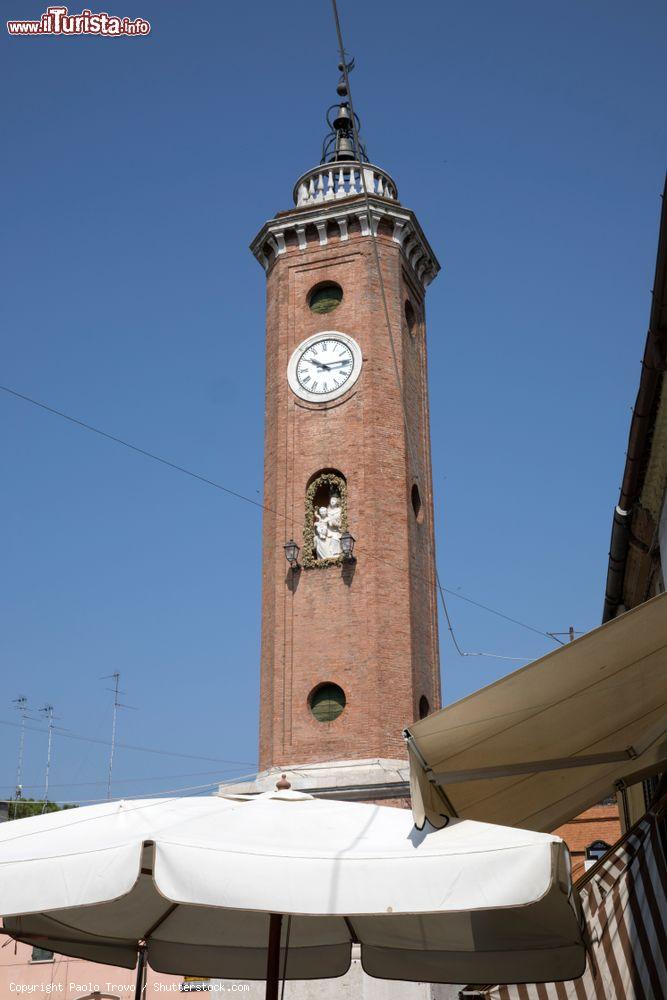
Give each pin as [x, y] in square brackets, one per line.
[141, 974]
[48, 712]
[116, 705]
[623, 808]
[273, 956]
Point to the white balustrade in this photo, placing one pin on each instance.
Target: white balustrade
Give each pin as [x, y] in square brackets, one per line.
[331, 181]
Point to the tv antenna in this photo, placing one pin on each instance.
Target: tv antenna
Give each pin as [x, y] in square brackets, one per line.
[47, 711]
[571, 635]
[115, 690]
[21, 705]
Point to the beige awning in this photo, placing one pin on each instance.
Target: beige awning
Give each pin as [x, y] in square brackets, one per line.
[548, 741]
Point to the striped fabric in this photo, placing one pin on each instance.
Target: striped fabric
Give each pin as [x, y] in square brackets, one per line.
[624, 906]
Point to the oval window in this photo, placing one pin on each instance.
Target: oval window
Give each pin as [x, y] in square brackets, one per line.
[424, 707]
[410, 317]
[325, 298]
[417, 504]
[327, 702]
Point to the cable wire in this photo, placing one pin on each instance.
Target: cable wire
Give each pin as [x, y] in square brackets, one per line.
[129, 746]
[255, 503]
[140, 451]
[117, 781]
[385, 306]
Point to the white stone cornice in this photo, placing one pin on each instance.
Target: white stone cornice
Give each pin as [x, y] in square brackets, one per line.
[406, 232]
[280, 240]
[363, 222]
[273, 243]
[399, 232]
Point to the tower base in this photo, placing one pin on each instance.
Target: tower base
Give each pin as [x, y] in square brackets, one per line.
[384, 780]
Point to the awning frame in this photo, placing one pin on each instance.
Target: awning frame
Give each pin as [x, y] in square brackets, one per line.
[541, 767]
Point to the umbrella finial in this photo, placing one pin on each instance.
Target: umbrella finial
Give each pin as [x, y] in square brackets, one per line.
[283, 784]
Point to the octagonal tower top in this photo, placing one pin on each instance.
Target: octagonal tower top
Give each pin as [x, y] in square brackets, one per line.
[331, 192]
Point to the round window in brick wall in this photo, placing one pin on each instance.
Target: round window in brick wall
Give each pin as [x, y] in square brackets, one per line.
[325, 297]
[326, 702]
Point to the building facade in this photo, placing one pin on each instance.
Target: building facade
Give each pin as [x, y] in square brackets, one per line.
[638, 549]
[27, 971]
[637, 566]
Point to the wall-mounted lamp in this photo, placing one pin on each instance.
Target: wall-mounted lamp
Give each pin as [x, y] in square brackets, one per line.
[347, 546]
[292, 553]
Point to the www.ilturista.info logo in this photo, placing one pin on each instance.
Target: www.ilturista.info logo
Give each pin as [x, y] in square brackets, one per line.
[58, 21]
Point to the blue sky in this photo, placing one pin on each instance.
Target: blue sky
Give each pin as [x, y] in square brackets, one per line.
[531, 141]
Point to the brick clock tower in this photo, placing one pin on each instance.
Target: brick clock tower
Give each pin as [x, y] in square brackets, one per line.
[349, 615]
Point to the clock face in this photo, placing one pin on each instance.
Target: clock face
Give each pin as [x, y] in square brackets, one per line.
[324, 367]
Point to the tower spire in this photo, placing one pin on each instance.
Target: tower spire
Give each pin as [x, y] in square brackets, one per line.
[340, 144]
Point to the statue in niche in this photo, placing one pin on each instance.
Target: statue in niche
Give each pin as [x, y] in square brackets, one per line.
[326, 519]
[328, 523]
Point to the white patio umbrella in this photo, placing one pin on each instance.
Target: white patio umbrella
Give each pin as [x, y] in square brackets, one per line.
[282, 884]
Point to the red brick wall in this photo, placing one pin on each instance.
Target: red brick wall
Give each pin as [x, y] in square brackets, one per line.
[371, 629]
[596, 823]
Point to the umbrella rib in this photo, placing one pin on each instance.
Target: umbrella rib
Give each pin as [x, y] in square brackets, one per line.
[27, 938]
[105, 940]
[353, 933]
[158, 923]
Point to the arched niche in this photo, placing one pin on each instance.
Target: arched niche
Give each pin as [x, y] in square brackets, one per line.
[325, 519]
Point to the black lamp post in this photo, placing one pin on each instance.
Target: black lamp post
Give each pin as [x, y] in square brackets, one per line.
[347, 546]
[292, 553]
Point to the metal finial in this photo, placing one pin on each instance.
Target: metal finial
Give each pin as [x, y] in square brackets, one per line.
[283, 784]
[339, 144]
[341, 89]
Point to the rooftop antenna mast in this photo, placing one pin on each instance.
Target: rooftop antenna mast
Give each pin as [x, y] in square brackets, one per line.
[21, 705]
[115, 690]
[48, 712]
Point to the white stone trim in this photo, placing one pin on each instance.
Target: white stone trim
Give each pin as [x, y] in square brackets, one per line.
[363, 222]
[301, 237]
[332, 181]
[280, 240]
[406, 232]
[399, 232]
[360, 780]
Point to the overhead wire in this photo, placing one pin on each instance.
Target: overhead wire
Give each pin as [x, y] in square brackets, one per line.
[385, 306]
[240, 496]
[117, 781]
[237, 494]
[160, 793]
[128, 746]
[78, 819]
[140, 451]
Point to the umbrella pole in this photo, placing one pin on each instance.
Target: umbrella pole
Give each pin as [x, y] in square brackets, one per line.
[141, 971]
[273, 956]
